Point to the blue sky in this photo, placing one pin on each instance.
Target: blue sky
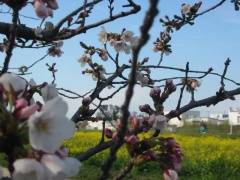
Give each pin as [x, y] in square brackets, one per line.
[213, 39]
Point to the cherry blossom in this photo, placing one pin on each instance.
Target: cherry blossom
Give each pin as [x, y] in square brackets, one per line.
[22, 111]
[83, 60]
[40, 9]
[55, 50]
[44, 8]
[144, 81]
[49, 127]
[102, 35]
[155, 48]
[127, 36]
[60, 169]
[13, 85]
[103, 55]
[119, 46]
[134, 41]
[49, 92]
[52, 4]
[186, 8]
[28, 169]
[38, 32]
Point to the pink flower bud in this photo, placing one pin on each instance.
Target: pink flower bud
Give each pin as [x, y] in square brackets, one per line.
[119, 124]
[155, 92]
[151, 119]
[169, 82]
[131, 139]
[144, 108]
[40, 9]
[50, 12]
[172, 88]
[86, 101]
[52, 4]
[115, 136]
[70, 19]
[135, 123]
[28, 111]
[108, 133]
[20, 103]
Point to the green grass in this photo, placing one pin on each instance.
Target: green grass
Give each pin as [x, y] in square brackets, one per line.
[213, 130]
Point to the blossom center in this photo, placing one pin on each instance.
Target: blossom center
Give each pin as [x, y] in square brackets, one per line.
[42, 126]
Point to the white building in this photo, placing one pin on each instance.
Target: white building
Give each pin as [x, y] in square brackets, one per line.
[234, 116]
[219, 116]
[174, 121]
[99, 125]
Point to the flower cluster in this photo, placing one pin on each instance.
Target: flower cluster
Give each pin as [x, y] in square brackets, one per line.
[171, 156]
[161, 44]
[142, 74]
[157, 119]
[47, 127]
[43, 8]
[191, 84]
[165, 151]
[187, 14]
[119, 41]
[55, 50]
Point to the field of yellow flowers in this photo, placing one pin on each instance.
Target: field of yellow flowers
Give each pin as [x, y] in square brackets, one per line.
[206, 157]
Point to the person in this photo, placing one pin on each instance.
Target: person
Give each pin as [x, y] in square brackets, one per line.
[203, 127]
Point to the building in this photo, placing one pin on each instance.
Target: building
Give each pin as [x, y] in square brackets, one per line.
[174, 121]
[191, 115]
[234, 116]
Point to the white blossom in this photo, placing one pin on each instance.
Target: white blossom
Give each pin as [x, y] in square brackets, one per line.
[144, 81]
[126, 49]
[38, 32]
[186, 8]
[112, 42]
[127, 36]
[28, 169]
[83, 60]
[60, 169]
[59, 43]
[49, 92]
[155, 49]
[49, 127]
[138, 75]
[134, 41]
[13, 82]
[119, 46]
[102, 35]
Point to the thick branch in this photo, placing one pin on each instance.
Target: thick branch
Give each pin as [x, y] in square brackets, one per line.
[213, 100]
